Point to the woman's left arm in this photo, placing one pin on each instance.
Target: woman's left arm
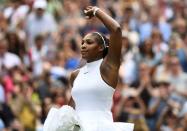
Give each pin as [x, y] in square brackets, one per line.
[114, 51]
[111, 63]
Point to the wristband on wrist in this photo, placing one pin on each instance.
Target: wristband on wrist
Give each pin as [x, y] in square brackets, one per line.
[95, 11]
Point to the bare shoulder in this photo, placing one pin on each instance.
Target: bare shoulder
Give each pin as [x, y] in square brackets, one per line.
[73, 76]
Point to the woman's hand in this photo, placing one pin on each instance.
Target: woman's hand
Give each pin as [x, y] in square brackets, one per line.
[90, 11]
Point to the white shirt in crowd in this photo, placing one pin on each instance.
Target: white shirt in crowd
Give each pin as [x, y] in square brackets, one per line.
[9, 60]
[36, 26]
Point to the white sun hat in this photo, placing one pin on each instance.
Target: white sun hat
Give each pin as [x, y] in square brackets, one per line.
[40, 4]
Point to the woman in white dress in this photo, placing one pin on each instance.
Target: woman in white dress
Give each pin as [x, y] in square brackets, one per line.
[94, 84]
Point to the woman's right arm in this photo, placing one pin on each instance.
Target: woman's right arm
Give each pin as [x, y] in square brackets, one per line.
[71, 80]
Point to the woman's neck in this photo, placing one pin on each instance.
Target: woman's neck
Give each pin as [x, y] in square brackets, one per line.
[96, 59]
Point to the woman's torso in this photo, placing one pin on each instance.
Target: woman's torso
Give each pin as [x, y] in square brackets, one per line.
[92, 96]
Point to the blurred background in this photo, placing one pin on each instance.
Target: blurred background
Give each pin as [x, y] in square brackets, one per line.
[39, 48]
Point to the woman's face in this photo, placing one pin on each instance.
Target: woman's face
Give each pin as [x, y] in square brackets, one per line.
[90, 49]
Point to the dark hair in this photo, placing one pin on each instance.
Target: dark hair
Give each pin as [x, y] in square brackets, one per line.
[103, 40]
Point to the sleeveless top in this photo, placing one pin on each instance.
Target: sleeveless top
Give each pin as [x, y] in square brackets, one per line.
[90, 92]
[92, 97]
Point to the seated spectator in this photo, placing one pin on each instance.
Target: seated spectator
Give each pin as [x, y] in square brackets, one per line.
[179, 26]
[157, 104]
[147, 54]
[25, 111]
[178, 80]
[144, 83]
[155, 21]
[159, 46]
[15, 12]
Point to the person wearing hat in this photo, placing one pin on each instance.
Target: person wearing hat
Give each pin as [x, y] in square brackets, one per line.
[39, 6]
[38, 22]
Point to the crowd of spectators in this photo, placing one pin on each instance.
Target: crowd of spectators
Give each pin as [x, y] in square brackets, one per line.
[39, 47]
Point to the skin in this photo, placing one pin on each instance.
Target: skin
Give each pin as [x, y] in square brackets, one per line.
[39, 12]
[92, 51]
[3, 47]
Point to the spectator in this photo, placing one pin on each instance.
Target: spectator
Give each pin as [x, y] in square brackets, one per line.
[16, 12]
[132, 109]
[144, 83]
[179, 27]
[38, 54]
[159, 46]
[167, 121]
[38, 22]
[147, 55]
[25, 111]
[157, 104]
[8, 60]
[146, 28]
[15, 45]
[178, 80]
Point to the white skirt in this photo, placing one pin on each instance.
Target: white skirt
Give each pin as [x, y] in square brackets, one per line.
[101, 121]
[67, 119]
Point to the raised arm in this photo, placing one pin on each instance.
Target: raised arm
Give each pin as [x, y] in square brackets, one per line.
[114, 51]
[111, 63]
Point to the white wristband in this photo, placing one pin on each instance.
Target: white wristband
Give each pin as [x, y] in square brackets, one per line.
[95, 11]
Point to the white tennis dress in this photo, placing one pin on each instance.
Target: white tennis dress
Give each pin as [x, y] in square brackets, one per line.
[93, 100]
